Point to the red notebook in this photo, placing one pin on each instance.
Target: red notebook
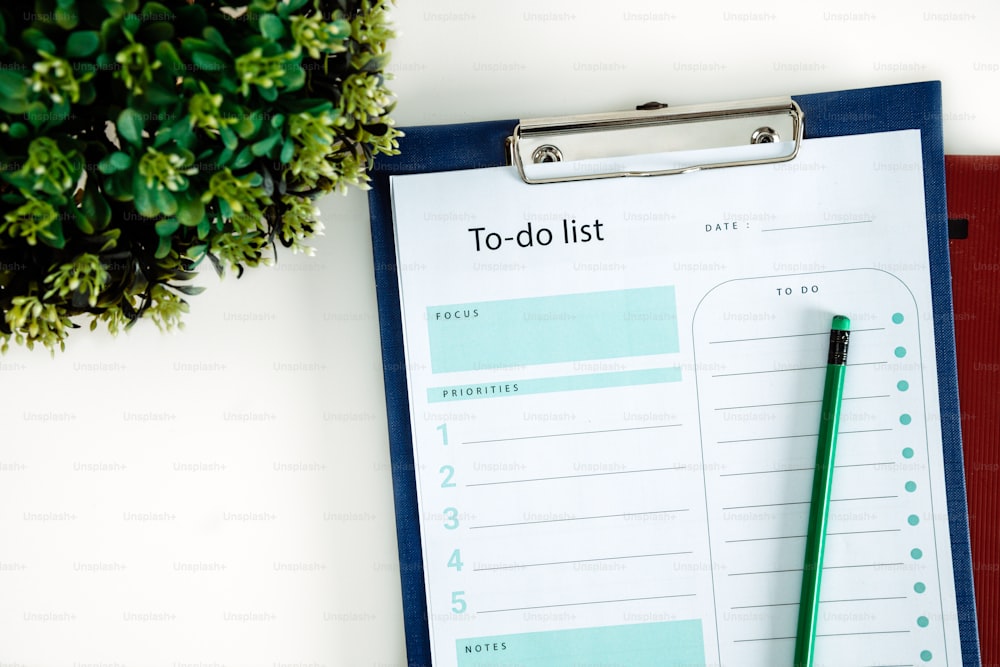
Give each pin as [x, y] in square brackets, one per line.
[973, 184]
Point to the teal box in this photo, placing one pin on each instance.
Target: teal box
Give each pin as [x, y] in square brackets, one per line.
[581, 381]
[552, 329]
[664, 644]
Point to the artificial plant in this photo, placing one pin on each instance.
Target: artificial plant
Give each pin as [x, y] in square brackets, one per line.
[139, 139]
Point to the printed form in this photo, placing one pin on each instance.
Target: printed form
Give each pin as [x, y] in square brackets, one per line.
[615, 390]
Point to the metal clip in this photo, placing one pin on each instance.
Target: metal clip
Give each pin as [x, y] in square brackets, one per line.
[656, 129]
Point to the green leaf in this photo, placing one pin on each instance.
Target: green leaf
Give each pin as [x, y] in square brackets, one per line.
[216, 39]
[18, 131]
[375, 64]
[294, 77]
[157, 31]
[117, 8]
[130, 124]
[95, 207]
[66, 18]
[37, 39]
[271, 26]
[182, 133]
[144, 203]
[190, 211]
[245, 127]
[83, 223]
[159, 96]
[87, 93]
[112, 162]
[37, 114]
[167, 54]
[287, 151]
[269, 94]
[228, 137]
[207, 62]
[204, 227]
[243, 159]
[164, 201]
[82, 43]
[132, 23]
[53, 235]
[157, 11]
[163, 248]
[291, 7]
[167, 226]
[264, 146]
[190, 290]
[13, 85]
[13, 105]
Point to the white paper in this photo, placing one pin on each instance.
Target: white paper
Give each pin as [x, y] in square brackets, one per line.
[632, 488]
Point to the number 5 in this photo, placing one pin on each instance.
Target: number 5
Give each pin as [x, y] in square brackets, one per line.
[457, 602]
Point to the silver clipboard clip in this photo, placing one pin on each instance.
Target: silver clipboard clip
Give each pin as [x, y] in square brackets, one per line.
[601, 136]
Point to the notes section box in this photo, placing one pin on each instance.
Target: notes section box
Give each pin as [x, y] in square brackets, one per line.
[760, 385]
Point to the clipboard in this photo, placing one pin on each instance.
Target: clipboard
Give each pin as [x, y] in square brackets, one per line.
[779, 121]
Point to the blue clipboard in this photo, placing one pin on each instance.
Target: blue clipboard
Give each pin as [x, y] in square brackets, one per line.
[483, 144]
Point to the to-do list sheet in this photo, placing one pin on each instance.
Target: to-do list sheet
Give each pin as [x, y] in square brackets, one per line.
[615, 389]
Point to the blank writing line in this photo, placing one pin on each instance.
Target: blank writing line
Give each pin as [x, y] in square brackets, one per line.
[577, 604]
[578, 518]
[823, 224]
[774, 405]
[560, 435]
[819, 333]
[806, 502]
[802, 435]
[793, 537]
[825, 567]
[825, 634]
[797, 368]
[796, 603]
[589, 474]
[768, 472]
[583, 560]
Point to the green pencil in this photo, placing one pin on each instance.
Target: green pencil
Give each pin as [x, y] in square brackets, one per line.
[819, 506]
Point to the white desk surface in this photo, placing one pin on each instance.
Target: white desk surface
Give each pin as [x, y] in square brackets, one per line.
[222, 496]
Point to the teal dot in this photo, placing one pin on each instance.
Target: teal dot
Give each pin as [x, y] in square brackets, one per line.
[897, 318]
[919, 587]
[911, 486]
[902, 385]
[913, 519]
[907, 452]
[916, 554]
[905, 419]
[923, 622]
[900, 352]
[926, 656]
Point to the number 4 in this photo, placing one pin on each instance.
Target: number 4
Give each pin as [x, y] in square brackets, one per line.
[456, 560]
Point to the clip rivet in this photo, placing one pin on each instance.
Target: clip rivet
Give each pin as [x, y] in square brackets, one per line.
[546, 153]
[764, 135]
